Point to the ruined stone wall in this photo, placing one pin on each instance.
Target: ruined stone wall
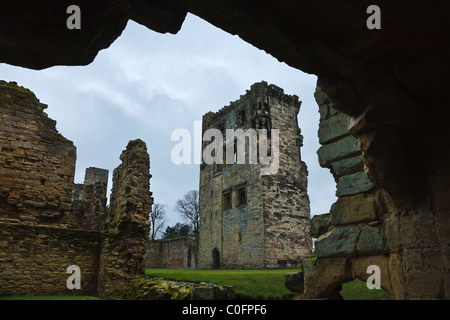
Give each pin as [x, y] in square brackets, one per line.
[89, 199]
[125, 223]
[271, 227]
[365, 227]
[286, 202]
[37, 164]
[178, 253]
[34, 259]
[44, 215]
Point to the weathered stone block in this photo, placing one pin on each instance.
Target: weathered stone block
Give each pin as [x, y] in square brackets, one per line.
[308, 265]
[326, 277]
[212, 292]
[333, 128]
[425, 285]
[344, 148]
[320, 224]
[353, 184]
[333, 111]
[321, 97]
[339, 242]
[392, 229]
[346, 166]
[397, 277]
[370, 242]
[294, 281]
[323, 110]
[353, 209]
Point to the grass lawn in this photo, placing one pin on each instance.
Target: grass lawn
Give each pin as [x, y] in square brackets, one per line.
[251, 283]
[259, 283]
[357, 290]
[255, 284]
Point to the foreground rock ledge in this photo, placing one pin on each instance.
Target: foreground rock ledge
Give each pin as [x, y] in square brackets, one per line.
[146, 288]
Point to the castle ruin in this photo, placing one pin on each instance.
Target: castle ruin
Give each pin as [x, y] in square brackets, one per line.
[247, 218]
[48, 223]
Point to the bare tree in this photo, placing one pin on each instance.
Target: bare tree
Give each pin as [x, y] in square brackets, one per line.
[188, 208]
[157, 220]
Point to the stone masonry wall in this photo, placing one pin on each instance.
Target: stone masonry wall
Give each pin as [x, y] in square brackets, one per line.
[178, 253]
[37, 164]
[126, 225]
[42, 211]
[89, 199]
[286, 202]
[351, 237]
[365, 227]
[34, 260]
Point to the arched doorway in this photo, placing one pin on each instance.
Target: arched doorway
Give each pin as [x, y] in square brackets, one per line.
[215, 259]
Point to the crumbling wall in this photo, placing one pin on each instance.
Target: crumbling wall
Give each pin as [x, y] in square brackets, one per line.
[365, 227]
[89, 199]
[178, 253]
[125, 224]
[45, 219]
[287, 237]
[37, 164]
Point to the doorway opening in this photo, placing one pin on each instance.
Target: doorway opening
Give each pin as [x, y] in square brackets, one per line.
[215, 259]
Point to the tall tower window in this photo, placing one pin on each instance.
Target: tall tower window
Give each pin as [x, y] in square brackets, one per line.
[241, 196]
[227, 200]
[242, 117]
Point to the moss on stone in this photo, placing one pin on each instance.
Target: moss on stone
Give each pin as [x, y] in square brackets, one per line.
[146, 288]
[14, 85]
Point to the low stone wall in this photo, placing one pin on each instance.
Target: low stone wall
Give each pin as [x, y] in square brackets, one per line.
[34, 259]
[178, 253]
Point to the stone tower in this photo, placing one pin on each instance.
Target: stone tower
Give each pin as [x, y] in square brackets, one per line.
[251, 216]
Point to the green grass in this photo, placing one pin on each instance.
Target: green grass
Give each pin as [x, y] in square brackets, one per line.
[255, 284]
[357, 290]
[260, 283]
[248, 283]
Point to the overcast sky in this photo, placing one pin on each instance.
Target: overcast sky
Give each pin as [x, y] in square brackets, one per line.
[147, 84]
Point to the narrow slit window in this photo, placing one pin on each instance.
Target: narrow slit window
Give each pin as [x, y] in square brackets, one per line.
[242, 117]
